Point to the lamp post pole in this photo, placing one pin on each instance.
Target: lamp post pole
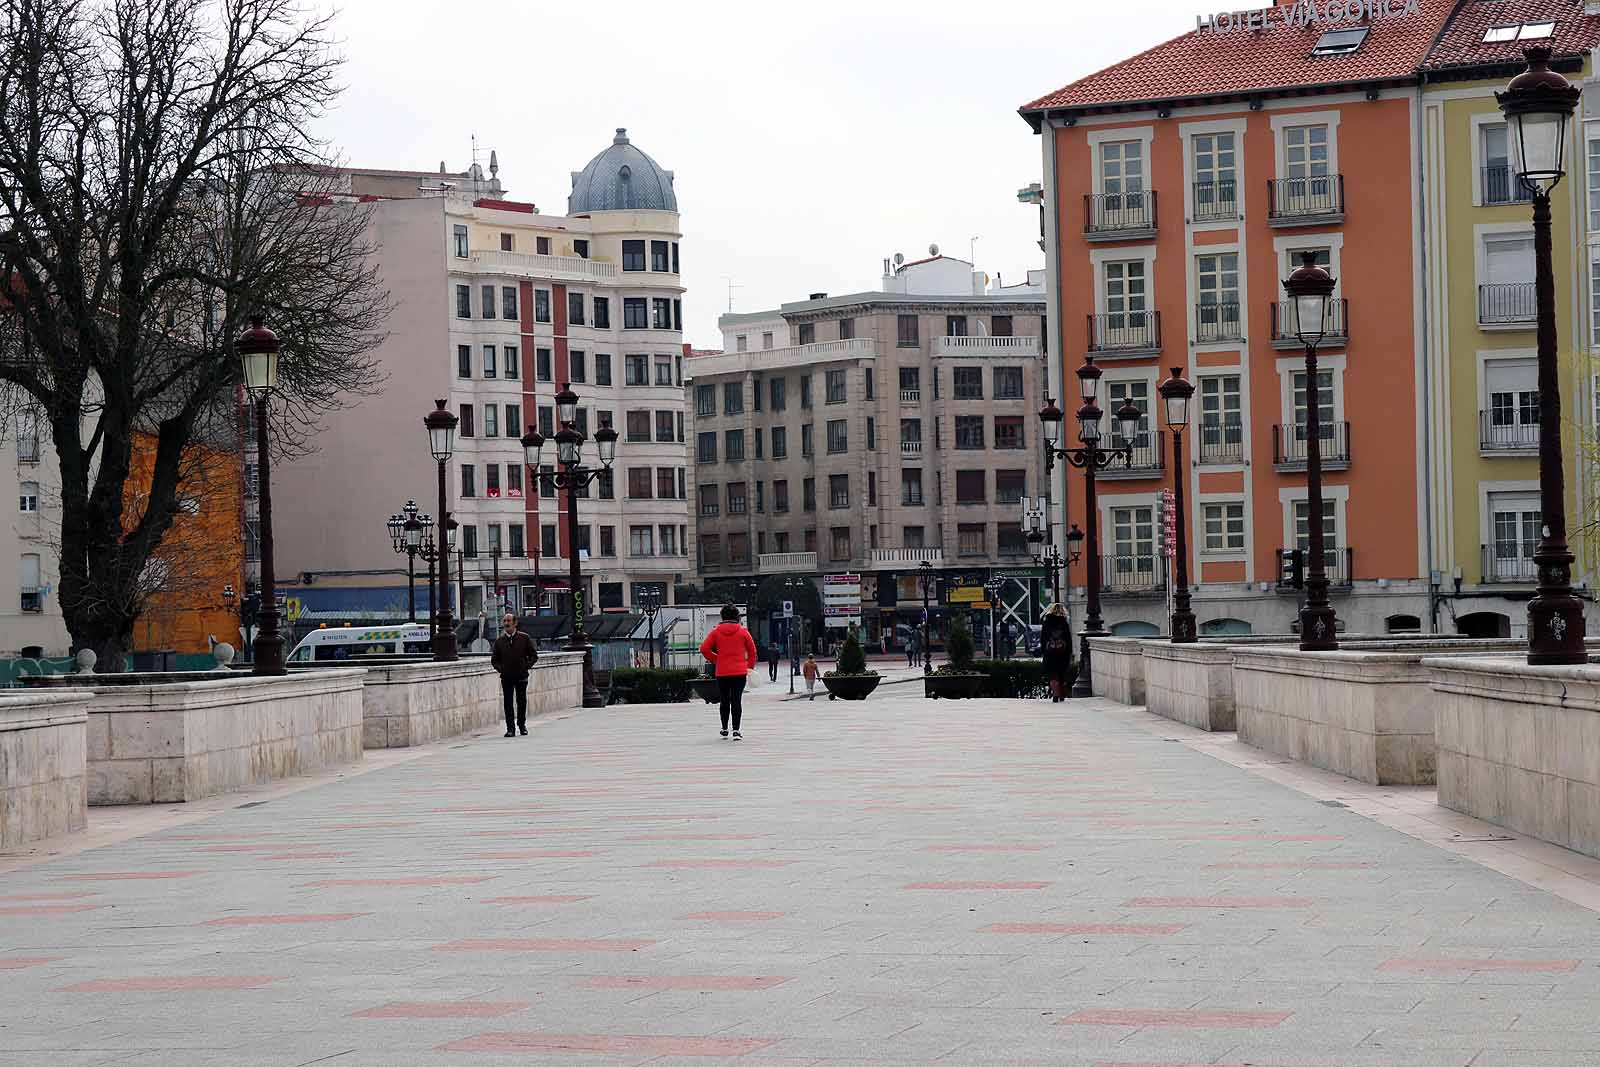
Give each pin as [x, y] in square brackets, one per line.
[258, 351]
[649, 601]
[993, 588]
[1538, 105]
[1310, 290]
[925, 570]
[405, 529]
[441, 426]
[1175, 396]
[1091, 457]
[428, 552]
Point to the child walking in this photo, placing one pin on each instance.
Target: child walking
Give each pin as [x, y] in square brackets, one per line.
[810, 671]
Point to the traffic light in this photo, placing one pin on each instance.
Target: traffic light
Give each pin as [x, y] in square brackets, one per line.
[1292, 568]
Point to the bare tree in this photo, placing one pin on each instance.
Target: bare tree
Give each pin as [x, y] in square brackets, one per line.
[158, 184]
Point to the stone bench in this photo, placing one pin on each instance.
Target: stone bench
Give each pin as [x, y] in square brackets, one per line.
[42, 792]
[416, 703]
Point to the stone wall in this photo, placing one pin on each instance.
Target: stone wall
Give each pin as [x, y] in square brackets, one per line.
[166, 743]
[1191, 683]
[408, 704]
[42, 791]
[1116, 668]
[1519, 746]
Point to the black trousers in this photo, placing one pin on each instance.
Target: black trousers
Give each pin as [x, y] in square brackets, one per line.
[731, 689]
[515, 692]
[772, 670]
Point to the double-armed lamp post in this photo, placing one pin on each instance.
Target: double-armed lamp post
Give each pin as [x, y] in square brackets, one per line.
[406, 527]
[1176, 392]
[648, 600]
[258, 353]
[572, 476]
[441, 426]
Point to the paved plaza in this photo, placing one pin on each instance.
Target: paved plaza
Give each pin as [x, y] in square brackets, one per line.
[897, 881]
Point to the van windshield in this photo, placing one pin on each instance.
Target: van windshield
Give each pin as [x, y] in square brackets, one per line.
[354, 650]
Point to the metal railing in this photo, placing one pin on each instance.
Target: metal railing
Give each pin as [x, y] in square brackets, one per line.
[1311, 199]
[1118, 213]
[1133, 575]
[1125, 331]
[1218, 322]
[1219, 443]
[1149, 456]
[1335, 331]
[986, 346]
[1503, 303]
[911, 396]
[903, 556]
[1505, 562]
[27, 450]
[1337, 563]
[1290, 445]
[1502, 186]
[1497, 435]
[911, 500]
[1215, 201]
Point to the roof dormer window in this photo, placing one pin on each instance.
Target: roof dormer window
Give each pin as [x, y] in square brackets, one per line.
[1519, 31]
[1340, 42]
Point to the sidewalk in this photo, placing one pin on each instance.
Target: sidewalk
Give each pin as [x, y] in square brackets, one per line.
[896, 881]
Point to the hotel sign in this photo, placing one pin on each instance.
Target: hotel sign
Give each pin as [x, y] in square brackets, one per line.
[1324, 14]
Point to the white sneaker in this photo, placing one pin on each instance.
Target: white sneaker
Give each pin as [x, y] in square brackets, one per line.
[736, 736]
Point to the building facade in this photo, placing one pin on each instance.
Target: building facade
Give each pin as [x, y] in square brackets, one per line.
[895, 428]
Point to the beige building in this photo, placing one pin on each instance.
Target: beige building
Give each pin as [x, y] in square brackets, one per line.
[871, 433]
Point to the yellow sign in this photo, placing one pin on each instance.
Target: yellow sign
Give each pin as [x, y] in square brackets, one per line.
[291, 607]
[967, 594]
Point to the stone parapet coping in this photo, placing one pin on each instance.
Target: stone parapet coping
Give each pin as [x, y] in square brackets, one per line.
[32, 711]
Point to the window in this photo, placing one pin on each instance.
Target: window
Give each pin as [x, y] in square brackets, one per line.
[711, 550]
[577, 366]
[608, 540]
[675, 258]
[847, 329]
[1306, 164]
[658, 256]
[808, 333]
[1500, 182]
[761, 504]
[838, 490]
[1224, 526]
[602, 368]
[661, 313]
[1214, 176]
[1324, 404]
[807, 442]
[494, 539]
[835, 385]
[839, 543]
[463, 361]
[969, 431]
[972, 487]
[1217, 278]
[633, 255]
[736, 498]
[608, 484]
[543, 366]
[541, 246]
[809, 494]
[463, 301]
[906, 332]
[1124, 298]
[602, 313]
[547, 421]
[738, 548]
[780, 496]
[1340, 42]
[1121, 177]
[972, 539]
[668, 545]
[1000, 325]
[511, 359]
[1524, 31]
[641, 541]
[1010, 486]
[733, 445]
[574, 309]
[766, 339]
[635, 314]
[1512, 395]
[910, 384]
[1221, 420]
[519, 547]
[459, 240]
[30, 496]
[1136, 393]
[1302, 529]
[709, 495]
[955, 326]
[664, 370]
[514, 480]
[911, 435]
[491, 420]
[1008, 432]
[805, 392]
[640, 483]
[705, 447]
[741, 343]
[547, 487]
[508, 242]
[469, 480]
[664, 427]
[732, 398]
[636, 370]
[508, 302]
[488, 301]
[1594, 303]
[541, 305]
[759, 436]
[776, 391]
[1515, 527]
[780, 442]
[1008, 383]
[912, 537]
[638, 425]
[872, 434]
[967, 382]
[755, 393]
[547, 542]
[1594, 184]
[466, 427]
[911, 487]
[838, 435]
[489, 361]
[1133, 535]
[583, 421]
[666, 483]
[580, 248]
[705, 400]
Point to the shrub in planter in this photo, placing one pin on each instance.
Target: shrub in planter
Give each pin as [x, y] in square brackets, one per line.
[852, 680]
[957, 679]
[1013, 679]
[653, 686]
[962, 646]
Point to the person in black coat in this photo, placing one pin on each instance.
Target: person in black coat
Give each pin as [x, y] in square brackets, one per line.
[1055, 645]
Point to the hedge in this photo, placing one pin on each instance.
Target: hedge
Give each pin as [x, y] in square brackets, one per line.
[659, 686]
[1014, 679]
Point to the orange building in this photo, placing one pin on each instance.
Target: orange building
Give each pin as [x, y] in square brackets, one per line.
[1180, 186]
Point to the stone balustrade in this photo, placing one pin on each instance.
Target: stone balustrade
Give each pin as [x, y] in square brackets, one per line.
[41, 765]
[409, 704]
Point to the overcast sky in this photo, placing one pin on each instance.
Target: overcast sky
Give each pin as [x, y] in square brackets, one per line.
[809, 140]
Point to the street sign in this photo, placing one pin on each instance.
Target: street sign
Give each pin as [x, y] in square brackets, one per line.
[788, 609]
[967, 594]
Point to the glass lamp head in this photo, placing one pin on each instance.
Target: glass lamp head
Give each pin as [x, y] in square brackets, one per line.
[1538, 105]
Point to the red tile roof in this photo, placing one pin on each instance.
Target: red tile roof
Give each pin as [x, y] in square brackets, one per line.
[1462, 42]
[1242, 61]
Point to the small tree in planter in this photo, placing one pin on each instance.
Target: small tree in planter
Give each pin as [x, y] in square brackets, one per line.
[852, 680]
[956, 679]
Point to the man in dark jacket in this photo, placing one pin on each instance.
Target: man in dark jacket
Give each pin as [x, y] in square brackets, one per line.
[514, 656]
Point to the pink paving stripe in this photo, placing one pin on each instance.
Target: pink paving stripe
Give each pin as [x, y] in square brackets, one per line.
[260, 846]
[17, 963]
[719, 863]
[545, 854]
[1218, 902]
[285, 920]
[664, 818]
[308, 856]
[1523, 966]
[422, 879]
[962, 886]
[370, 825]
[1272, 839]
[128, 876]
[694, 837]
[239, 836]
[49, 909]
[734, 916]
[1107, 1063]
[696, 983]
[443, 1009]
[169, 985]
[984, 848]
[646, 1045]
[72, 894]
[1204, 1020]
[1291, 865]
[544, 944]
[535, 831]
[1152, 929]
[537, 900]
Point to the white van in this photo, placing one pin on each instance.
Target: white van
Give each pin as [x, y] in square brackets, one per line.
[332, 644]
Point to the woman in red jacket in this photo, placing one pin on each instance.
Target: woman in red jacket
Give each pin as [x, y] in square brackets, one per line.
[733, 650]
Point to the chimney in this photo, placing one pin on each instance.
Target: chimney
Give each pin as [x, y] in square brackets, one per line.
[818, 296]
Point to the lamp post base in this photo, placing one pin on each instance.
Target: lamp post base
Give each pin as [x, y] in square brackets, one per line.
[1318, 629]
[1556, 629]
[1083, 685]
[592, 697]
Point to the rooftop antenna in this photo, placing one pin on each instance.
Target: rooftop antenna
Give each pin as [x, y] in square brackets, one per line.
[972, 246]
[731, 287]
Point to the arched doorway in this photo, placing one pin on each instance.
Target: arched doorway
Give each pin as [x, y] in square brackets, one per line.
[1135, 628]
[1225, 628]
[1484, 624]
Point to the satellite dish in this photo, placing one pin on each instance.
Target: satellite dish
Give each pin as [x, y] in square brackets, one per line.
[899, 258]
[933, 250]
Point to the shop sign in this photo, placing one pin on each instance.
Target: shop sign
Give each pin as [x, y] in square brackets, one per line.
[1323, 14]
[967, 594]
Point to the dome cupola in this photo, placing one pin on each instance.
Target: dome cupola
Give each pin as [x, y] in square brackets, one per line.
[621, 178]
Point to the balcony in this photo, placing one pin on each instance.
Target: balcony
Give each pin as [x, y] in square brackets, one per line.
[1215, 323]
[1216, 443]
[786, 563]
[1125, 334]
[27, 450]
[911, 448]
[1129, 575]
[1501, 433]
[903, 558]
[1149, 458]
[911, 397]
[851, 348]
[1335, 332]
[1502, 186]
[1216, 201]
[1338, 565]
[912, 500]
[1504, 563]
[1119, 216]
[1314, 201]
[1290, 446]
[1507, 305]
[523, 265]
[973, 347]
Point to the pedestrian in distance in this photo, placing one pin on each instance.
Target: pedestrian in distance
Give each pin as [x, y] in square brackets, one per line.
[911, 650]
[772, 663]
[1055, 641]
[809, 670]
[732, 650]
[513, 657]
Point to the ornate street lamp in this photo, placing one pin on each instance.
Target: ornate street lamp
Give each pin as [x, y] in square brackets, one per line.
[648, 600]
[1091, 458]
[258, 353]
[1537, 105]
[992, 589]
[925, 572]
[572, 477]
[1310, 290]
[428, 552]
[405, 531]
[441, 426]
[1175, 396]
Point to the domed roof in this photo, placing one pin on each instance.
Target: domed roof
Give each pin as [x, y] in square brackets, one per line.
[621, 178]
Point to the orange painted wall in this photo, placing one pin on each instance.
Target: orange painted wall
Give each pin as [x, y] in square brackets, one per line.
[1377, 278]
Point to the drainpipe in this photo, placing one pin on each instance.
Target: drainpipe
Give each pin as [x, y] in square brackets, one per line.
[1055, 333]
[1427, 392]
